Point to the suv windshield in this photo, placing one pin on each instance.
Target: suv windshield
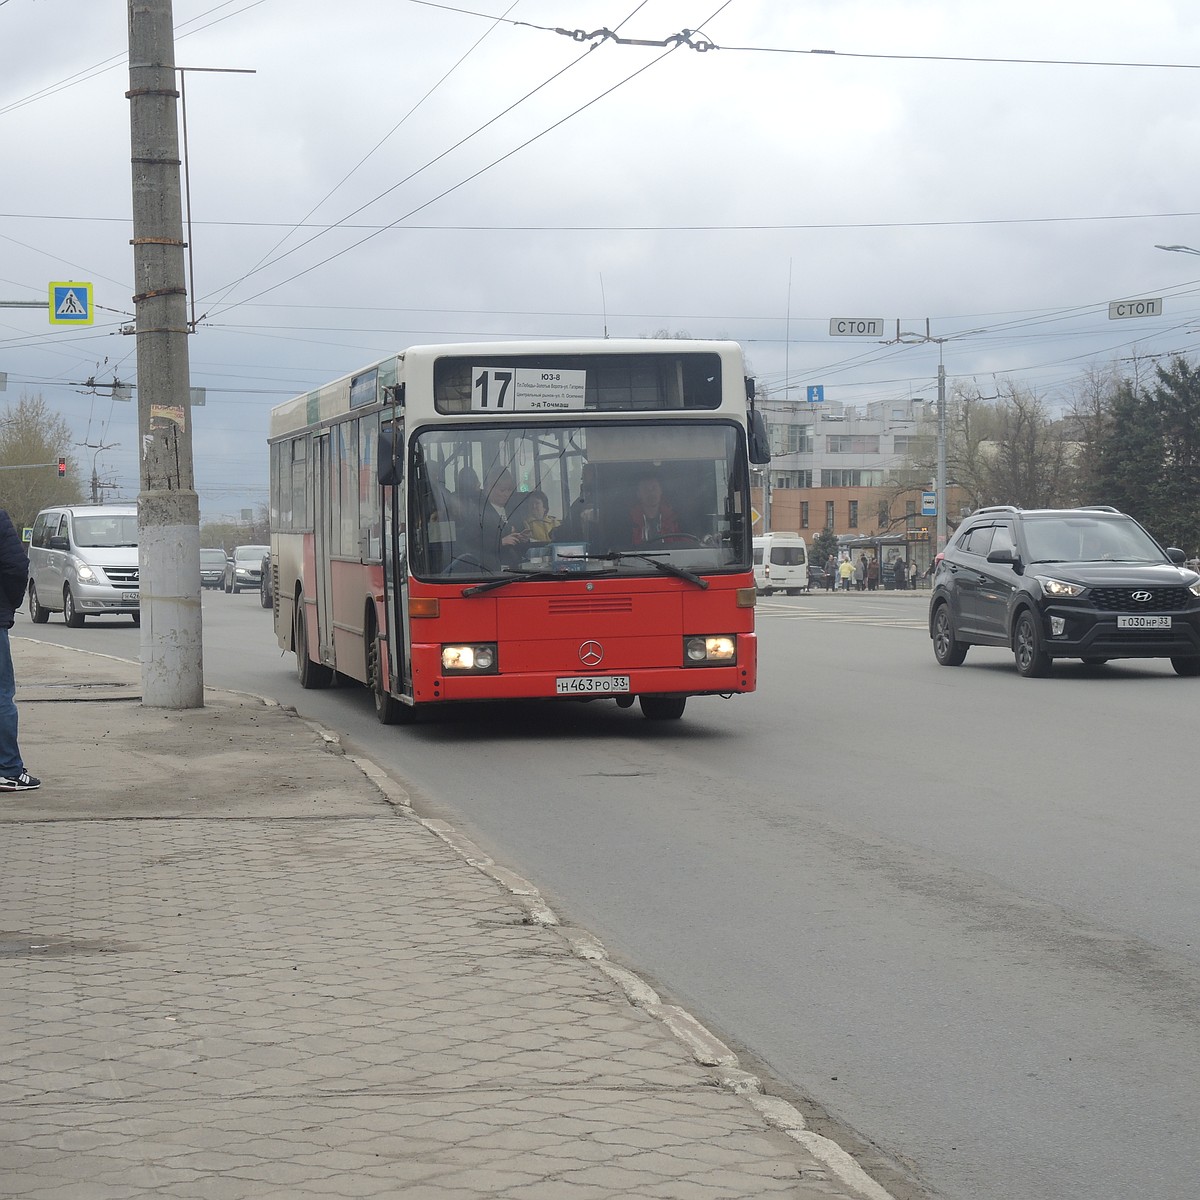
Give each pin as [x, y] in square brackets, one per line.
[574, 498]
[1080, 538]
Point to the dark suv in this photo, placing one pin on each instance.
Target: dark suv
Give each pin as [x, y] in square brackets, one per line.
[1086, 583]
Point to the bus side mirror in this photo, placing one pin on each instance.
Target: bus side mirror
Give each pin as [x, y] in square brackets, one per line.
[760, 444]
[389, 469]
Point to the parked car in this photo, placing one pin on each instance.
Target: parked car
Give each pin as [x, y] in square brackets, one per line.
[212, 568]
[818, 577]
[83, 561]
[244, 568]
[266, 592]
[1087, 583]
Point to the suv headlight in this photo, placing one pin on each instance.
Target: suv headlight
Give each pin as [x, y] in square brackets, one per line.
[1195, 588]
[1059, 589]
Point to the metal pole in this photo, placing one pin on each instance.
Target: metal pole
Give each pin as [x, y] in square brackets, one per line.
[168, 507]
[941, 455]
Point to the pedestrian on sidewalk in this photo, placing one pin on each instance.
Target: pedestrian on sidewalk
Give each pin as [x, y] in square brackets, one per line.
[14, 576]
[846, 571]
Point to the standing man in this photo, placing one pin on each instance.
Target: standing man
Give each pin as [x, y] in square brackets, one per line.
[14, 576]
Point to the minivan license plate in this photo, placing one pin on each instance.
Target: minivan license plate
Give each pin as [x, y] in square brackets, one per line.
[129, 597]
[1132, 621]
[591, 685]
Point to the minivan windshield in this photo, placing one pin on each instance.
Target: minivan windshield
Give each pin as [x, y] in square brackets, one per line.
[119, 530]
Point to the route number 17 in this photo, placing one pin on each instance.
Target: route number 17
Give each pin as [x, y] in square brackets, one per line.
[492, 390]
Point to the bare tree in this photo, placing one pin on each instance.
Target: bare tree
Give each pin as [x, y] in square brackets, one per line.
[1027, 467]
[32, 440]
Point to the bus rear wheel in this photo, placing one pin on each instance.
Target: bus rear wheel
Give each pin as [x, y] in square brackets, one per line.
[310, 674]
[662, 708]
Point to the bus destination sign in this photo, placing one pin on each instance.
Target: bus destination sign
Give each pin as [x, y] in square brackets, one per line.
[526, 389]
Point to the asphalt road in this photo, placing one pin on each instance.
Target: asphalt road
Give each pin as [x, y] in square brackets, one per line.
[954, 908]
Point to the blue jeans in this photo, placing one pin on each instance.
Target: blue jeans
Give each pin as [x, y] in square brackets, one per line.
[10, 753]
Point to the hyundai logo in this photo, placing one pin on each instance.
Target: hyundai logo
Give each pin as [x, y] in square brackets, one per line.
[1143, 597]
[590, 654]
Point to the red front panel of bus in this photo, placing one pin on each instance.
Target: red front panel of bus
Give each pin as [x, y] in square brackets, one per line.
[546, 632]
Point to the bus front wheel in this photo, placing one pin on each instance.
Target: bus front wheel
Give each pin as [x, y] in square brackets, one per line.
[310, 674]
[388, 709]
[662, 708]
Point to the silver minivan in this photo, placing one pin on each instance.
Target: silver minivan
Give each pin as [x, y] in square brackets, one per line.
[83, 561]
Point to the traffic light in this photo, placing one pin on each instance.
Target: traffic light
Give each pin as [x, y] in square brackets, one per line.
[62, 467]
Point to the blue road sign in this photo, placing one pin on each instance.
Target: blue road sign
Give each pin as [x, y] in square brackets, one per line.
[929, 504]
[816, 394]
[71, 304]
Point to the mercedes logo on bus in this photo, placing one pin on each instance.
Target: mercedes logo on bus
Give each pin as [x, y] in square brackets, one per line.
[590, 654]
[1143, 597]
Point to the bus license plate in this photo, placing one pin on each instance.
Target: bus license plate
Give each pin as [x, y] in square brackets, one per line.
[591, 685]
[1139, 622]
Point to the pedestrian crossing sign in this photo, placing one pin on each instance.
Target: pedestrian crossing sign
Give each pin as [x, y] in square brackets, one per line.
[71, 304]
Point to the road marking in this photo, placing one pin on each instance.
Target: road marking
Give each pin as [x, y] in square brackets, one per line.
[788, 612]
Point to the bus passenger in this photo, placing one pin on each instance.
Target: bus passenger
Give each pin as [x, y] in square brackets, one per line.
[652, 518]
[539, 524]
[500, 540]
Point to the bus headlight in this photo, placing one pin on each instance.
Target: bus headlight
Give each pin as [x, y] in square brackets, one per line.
[709, 651]
[479, 659]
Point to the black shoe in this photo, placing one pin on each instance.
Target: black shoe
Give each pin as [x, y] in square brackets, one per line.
[19, 783]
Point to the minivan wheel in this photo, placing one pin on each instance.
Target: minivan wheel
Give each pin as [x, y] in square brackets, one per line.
[37, 614]
[948, 651]
[72, 615]
[1186, 666]
[1032, 660]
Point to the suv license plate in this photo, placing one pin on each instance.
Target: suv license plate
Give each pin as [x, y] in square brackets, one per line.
[591, 685]
[1138, 622]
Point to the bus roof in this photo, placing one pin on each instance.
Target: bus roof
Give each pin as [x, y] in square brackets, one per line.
[364, 386]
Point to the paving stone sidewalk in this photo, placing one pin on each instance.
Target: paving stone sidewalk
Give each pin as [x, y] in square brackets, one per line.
[234, 963]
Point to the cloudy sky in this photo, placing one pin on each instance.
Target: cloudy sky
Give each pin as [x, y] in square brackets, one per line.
[398, 171]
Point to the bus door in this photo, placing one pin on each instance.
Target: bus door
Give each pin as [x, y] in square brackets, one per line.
[322, 539]
[395, 553]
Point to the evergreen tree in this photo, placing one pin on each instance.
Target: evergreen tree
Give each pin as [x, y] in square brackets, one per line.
[1130, 466]
[1176, 496]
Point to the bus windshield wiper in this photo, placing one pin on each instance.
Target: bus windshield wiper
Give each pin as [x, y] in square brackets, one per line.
[522, 576]
[667, 568]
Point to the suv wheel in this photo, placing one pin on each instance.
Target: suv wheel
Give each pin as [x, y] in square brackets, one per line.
[1032, 660]
[946, 649]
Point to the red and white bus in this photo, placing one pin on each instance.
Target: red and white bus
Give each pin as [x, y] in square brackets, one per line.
[489, 521]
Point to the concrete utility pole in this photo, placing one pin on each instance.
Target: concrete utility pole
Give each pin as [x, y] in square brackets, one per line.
[168, 507]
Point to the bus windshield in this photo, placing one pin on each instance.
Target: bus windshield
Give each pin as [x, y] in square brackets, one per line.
[571, 497]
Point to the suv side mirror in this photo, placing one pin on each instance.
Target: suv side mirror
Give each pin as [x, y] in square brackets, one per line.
[1003, 556]
[1176, 555]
